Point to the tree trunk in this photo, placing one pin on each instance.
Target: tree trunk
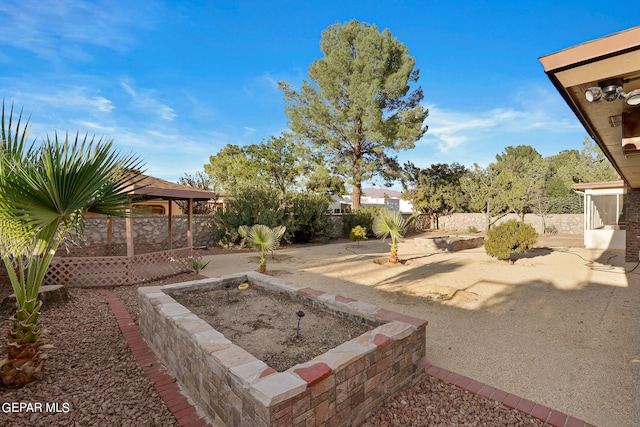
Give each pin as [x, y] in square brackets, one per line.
[488, 215]
[355, 196]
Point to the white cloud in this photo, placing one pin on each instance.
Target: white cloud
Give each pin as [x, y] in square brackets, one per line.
[78, 98]
[539, 112]
[145, 100]
[96, 127]
[270, 80]
[64, 28]
[248, 131]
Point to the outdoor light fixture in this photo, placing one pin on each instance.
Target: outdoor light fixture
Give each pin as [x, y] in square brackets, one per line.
[611, 90]
[593, 94]
[633, 97]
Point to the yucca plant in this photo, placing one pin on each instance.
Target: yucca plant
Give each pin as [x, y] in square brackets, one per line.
[263, 238]
[390, 223]
[45, 192]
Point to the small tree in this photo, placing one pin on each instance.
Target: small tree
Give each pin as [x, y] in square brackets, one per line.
[358, 233]
[510, 237]
[262, 238]
[389, 223]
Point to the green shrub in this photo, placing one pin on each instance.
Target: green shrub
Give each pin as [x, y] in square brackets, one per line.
[510, 237]
[304, 215]
[472, 229]
[364, 218]
[246, 206]
[551, 230]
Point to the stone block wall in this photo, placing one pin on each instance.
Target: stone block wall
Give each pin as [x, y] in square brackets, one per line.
[342, 387]
[564, 223]
[632, 245]
[149, 229]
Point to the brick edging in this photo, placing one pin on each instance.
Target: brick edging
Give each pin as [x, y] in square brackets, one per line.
[511, 401]
[164, 383]
[186, 414]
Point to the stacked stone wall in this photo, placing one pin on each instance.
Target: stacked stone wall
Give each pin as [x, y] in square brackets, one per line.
[342, 387]
[562, 223]
[149, 230]
[632, 244]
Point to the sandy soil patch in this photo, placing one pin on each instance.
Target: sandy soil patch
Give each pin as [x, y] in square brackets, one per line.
[554, 327]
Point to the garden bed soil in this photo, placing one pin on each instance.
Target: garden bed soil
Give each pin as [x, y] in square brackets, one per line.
[264, 324]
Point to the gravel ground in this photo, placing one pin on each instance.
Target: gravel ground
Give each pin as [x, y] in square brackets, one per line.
[91, 374]
[93, 378]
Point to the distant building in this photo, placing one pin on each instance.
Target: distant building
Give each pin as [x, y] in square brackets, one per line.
[343, 204]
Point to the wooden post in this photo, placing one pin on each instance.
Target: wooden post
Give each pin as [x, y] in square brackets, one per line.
[190, 223]
[170, 229]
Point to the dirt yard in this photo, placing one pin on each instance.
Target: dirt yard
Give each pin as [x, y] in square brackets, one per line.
[555, 327]
[266, 324]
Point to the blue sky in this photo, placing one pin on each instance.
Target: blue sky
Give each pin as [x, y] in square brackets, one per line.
[175, 81]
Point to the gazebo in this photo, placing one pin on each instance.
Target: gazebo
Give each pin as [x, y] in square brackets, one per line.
[81, 267]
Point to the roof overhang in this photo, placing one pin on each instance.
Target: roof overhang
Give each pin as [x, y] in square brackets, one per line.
[151, 187]
[582, 186]
[577, 68]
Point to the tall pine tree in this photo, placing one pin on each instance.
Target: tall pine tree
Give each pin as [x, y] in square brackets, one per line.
[358, 107]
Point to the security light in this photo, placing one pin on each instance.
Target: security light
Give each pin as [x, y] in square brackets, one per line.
[633, 97]
[611, 90]
[593, 94]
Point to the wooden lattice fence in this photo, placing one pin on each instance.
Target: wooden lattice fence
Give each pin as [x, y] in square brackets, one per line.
[107, 271]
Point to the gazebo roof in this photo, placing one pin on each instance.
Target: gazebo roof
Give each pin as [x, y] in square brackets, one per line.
[149, 186]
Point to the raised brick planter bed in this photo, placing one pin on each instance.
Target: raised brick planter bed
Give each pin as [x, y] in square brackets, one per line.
[341, 387]
[449, 243]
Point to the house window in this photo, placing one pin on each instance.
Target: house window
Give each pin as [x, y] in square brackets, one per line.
[606, 211]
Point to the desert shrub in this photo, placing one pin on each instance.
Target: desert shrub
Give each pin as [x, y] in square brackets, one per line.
[246, 206]
[304, 215]
[551, 230]
[358, 233]
[472, 229]
[364, 218]
[509, 237]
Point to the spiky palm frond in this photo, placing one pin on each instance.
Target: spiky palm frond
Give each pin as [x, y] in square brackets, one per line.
[45, 193]
[263, 238]
[392, 224]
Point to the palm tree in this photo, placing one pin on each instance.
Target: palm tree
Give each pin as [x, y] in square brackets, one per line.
[263, 238]
[389, 223]
[45, 192]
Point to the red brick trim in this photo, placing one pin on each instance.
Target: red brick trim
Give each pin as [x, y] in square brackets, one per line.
[511, 401]
[164, 383]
